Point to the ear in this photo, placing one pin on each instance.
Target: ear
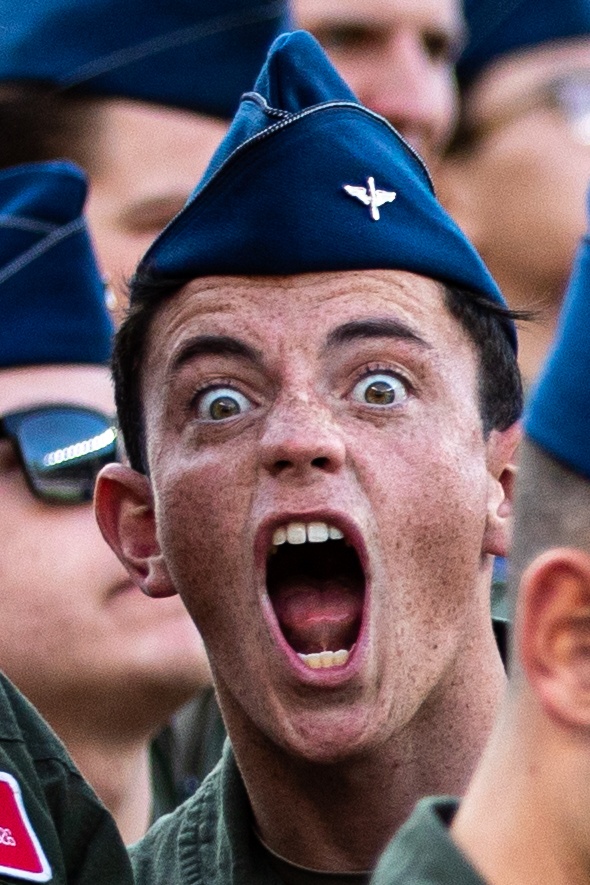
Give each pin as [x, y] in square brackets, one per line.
[502, 446]
[552, 635]
[124, 508]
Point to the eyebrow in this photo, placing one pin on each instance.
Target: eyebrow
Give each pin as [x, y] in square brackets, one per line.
[214, 345]
[373, 328]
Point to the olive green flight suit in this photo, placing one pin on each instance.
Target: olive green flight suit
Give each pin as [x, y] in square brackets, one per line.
[423, 853]
[53, 828]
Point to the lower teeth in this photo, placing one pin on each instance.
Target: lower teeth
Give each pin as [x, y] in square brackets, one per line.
[325, 659]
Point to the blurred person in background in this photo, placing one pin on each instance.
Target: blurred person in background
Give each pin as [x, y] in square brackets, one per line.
[517, 173]
[525, 817]
[398, 57]
[139, 94]
[103, 665]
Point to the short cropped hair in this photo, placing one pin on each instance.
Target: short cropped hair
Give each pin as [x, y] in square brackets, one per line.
[500, 386]
[552, 509]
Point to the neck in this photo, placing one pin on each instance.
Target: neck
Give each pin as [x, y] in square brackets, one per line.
[108, 733]
[112, 752]
[346, 812]
[119, 772]
[526, 779]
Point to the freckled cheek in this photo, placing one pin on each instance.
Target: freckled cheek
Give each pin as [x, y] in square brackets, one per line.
[202, 517]
[426, 591]
[429, 509]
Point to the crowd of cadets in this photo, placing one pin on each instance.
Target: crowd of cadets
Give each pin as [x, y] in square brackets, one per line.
[318, 391]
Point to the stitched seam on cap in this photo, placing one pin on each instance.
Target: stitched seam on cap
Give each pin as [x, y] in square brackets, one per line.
[17, 222]
[49, 242]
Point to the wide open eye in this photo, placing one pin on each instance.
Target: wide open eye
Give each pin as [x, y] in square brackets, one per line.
[380, 389]
[221, 403]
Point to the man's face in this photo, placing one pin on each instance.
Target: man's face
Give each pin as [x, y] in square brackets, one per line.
[320, 486]
[75, 628]
[145, 162]
[398, 57]
[519, 185]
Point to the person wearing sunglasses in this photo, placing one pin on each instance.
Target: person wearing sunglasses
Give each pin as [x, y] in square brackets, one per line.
[398, 58]
[517, 172]
[103, 665]
[139, 93]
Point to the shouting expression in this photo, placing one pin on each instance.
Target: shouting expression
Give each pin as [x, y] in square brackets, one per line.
[320, 494]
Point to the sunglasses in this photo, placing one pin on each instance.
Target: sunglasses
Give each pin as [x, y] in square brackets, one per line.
[62, 449]
[569, 94]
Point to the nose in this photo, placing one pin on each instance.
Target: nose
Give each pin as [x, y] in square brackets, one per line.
[301, 440]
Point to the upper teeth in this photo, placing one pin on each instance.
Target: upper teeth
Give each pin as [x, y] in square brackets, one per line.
[302, 532]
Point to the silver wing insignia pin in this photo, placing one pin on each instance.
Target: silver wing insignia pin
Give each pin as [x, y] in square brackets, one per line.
[371, 196]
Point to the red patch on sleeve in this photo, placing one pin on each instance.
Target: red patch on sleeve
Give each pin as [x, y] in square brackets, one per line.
[21, 855]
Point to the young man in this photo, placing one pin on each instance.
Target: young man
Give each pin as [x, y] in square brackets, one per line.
[517, 175]
[525, 816]
[104, 666]
[320, 423]
[398, 57]
[137, 92]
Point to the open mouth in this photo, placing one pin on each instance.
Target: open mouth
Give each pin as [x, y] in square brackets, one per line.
[316, 585]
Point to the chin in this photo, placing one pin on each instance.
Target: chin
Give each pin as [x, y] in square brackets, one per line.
[329, 737]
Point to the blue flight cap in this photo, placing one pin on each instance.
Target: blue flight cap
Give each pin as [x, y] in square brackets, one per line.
[52, 297]
[557, 416]
[497, 27]
[308, 180]
[189, 54]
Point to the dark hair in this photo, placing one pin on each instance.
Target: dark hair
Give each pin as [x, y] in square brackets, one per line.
[500, 385]
[38, 123]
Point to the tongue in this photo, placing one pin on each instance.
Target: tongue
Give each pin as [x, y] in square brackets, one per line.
[318, 615]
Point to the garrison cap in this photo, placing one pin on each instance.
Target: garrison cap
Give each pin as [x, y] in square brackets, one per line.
[498, 27]
[308, 180]
[557, 416]
[194, 54]
[52, 298]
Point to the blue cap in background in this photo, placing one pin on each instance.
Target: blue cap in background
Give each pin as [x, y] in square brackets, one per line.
[189, 54]
[308, 180]
[557, 416]
[52, 297]
[497, 27]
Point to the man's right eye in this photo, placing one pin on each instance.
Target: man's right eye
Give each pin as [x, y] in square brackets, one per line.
[222, 403]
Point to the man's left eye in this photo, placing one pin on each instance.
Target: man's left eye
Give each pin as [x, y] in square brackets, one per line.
[221, 403]
[380, 389]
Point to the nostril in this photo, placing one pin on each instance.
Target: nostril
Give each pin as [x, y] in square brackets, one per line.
[282, 465]
[322, 463]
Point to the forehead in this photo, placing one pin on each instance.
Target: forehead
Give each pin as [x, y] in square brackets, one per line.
[34, 385]
[313, 14]
[296, 313]
[513, 75]
[136, 138]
